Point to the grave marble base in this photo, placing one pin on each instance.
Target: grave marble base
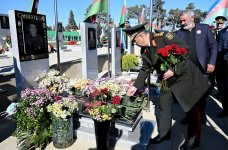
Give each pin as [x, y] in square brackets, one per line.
[137, 139]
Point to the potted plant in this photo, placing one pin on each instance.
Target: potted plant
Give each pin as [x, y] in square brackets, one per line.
[62, 111]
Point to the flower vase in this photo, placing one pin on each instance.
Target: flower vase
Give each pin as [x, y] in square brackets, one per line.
[102, 134]
[62, 132]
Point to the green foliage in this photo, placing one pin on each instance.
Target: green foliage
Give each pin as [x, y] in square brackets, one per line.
[71, 22]
[129, 61]
[133, 105]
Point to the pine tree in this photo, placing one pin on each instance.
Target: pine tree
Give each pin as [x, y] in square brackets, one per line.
[71, 22]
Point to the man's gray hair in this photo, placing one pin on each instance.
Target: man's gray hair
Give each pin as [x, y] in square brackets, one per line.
[188, 12]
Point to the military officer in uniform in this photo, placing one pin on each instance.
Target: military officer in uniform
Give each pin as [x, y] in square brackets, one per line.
[185, 83]
[220, 20]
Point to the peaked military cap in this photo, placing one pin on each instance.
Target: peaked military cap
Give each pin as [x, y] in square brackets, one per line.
[133, 31]
[220, 19]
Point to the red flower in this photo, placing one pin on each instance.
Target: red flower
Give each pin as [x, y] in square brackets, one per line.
[168, 48]
[94, 94]
[178, 51]
[170, 56]
[87, 109]
[57, 98]
[97, 103]
[104, 90]
[164, 52]
[116, 100]
[183, 50]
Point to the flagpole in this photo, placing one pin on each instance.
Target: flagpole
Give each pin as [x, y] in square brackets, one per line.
[151, 15]
[109, 33]
[56, 35]
[148, 78]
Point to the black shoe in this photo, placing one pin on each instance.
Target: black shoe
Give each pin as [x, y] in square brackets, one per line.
[188, 146]
[222, 114]
[159, 139]
[184, 121]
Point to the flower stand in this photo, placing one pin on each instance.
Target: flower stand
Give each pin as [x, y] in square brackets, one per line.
[62, 135]
[102, 134]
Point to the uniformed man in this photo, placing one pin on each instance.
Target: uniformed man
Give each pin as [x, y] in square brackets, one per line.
[220, 20]
[185, 83]
[222, 70]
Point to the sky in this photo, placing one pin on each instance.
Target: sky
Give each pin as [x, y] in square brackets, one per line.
[79, 7]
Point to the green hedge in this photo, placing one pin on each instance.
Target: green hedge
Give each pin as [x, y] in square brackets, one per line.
[128, 61]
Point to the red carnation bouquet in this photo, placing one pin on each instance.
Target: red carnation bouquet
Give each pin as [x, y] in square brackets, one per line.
[171, 55]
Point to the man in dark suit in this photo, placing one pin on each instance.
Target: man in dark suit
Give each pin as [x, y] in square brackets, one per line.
[185, 83]
[202, 43]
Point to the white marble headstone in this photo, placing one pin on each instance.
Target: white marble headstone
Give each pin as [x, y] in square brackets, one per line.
[116, 52]
[89, 51]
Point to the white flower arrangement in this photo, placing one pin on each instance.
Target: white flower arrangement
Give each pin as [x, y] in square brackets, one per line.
[76, 86]
[53, 81]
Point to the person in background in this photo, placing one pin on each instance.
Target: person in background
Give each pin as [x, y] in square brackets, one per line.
[99, 32]
[203, 45]
[185, 83]
[220, 20]
[222, 70]
[126, 26]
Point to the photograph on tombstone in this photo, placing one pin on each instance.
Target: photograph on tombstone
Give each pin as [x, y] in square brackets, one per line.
[4, 21]
[117, 38]
[92, 44]
[32, 36]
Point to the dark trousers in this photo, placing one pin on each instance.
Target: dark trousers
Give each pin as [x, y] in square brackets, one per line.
[222, 81]
[164, 118]
[194, 126]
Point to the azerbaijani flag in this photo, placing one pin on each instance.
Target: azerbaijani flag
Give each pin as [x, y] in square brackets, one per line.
[121, 25]
[219, 8]
[98, 6]
[123, 15]
[34, 7]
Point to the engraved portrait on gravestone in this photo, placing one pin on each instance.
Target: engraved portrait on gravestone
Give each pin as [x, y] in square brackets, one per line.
[34, 43]
[92, 44]
[31, 35]
[4, 21]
